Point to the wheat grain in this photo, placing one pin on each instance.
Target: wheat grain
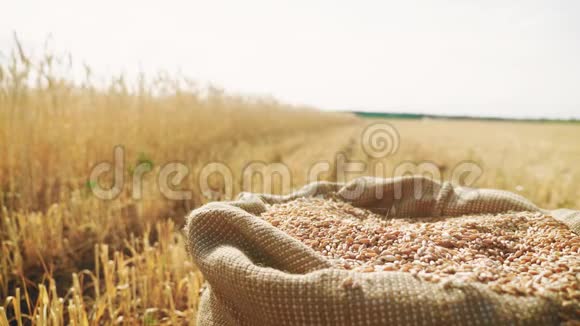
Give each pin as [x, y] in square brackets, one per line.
[518, 254]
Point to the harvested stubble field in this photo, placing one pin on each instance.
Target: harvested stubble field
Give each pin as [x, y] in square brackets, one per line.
[68, 257]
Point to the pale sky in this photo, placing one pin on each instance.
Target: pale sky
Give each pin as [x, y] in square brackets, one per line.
[490, 58]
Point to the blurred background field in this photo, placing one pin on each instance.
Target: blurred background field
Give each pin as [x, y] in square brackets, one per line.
[67, 257]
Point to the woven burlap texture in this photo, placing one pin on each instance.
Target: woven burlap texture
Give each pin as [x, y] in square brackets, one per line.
[258, 275]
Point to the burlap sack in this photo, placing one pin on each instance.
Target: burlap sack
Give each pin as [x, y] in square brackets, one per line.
[258, 275]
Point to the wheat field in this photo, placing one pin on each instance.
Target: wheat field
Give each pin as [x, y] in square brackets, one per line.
[67, 257]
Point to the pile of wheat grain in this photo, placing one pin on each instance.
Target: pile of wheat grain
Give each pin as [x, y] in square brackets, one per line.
[519, 253]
